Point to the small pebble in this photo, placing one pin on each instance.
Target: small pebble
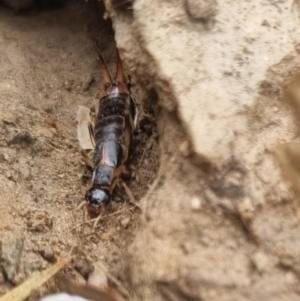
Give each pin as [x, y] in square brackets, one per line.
[48, 254]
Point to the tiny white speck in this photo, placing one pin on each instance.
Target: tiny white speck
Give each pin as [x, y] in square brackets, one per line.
[196, 203]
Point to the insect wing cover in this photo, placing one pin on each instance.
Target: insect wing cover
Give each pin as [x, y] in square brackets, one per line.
[83, 133]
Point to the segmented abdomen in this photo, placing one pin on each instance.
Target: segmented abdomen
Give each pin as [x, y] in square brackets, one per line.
[112, 136]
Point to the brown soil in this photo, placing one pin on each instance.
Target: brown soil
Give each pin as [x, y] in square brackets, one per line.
[217, 221]
[49, 67]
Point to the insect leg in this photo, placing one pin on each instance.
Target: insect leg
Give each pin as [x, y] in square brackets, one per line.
[102, 212]
[80, 205]
[91, 132]
[136, 116]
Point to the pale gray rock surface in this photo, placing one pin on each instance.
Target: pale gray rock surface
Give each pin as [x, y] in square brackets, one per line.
[220, 70]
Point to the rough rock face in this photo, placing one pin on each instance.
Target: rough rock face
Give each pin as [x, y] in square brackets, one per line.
[220, 223]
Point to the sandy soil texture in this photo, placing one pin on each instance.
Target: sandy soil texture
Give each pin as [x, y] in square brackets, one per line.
[216, 219]
[48, 68]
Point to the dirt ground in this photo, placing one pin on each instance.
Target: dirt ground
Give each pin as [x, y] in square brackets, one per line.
[217, 221]
[49, 67]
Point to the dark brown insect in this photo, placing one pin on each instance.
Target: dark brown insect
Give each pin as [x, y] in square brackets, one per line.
[112, 133]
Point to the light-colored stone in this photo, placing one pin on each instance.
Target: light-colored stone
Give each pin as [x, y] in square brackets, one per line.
[219, 69]
[210, 75]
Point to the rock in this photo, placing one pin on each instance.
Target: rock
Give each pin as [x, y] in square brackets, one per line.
[218, 81]
[198, 76]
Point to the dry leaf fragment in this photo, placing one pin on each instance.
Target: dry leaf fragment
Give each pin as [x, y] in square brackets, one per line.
[23, 291]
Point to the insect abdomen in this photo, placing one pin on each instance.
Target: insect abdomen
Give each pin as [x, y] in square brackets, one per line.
[111, 119]
[110, 137]
[114, 104]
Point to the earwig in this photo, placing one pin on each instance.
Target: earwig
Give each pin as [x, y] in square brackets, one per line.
[112, 134]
